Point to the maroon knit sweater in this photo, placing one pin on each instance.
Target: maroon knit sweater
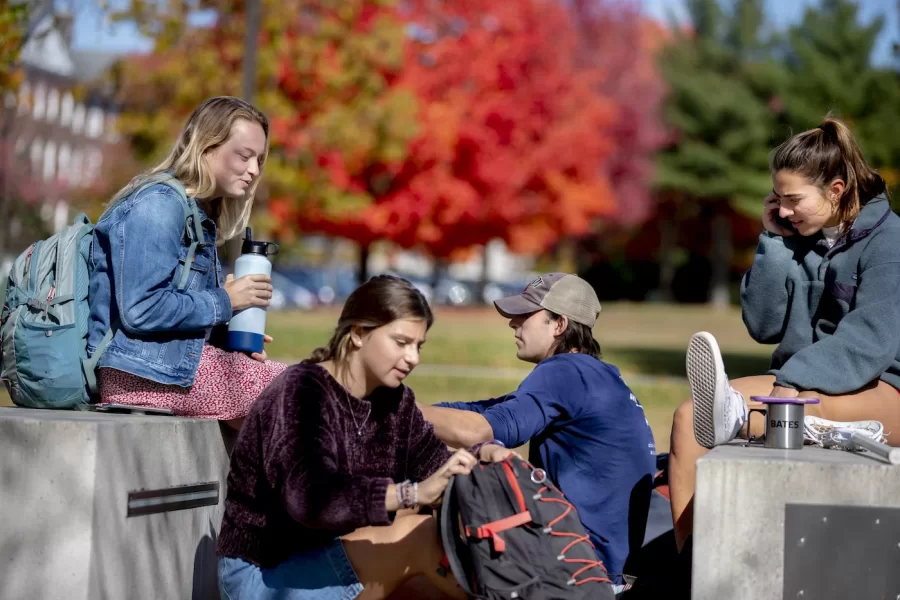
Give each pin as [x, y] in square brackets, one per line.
[301, 475]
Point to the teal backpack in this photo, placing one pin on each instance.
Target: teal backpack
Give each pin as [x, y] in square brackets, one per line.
[44, 320]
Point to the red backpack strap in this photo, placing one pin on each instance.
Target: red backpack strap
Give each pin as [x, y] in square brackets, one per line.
[492, 529]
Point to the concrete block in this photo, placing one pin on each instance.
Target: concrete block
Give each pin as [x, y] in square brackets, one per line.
[65, 529]
[742, 497]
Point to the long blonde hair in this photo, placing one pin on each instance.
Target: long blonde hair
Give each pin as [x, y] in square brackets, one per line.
[208, 127]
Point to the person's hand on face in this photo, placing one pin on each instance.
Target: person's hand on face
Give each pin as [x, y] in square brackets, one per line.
[771, 208]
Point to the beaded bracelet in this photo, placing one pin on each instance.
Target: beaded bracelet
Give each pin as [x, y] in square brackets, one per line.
[408, 495]
[399, 488]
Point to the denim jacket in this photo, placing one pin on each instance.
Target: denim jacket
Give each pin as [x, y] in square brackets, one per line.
[139, 246]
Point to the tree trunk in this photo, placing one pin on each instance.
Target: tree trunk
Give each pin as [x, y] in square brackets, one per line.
[252, 20]
[668, 242]
[437, 273]
[232, 248]
[231, 252]
[331, 250]
[720, 259]
[363, 271]
[485, 274]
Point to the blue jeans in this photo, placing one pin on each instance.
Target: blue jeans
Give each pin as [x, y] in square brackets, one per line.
[321, 574]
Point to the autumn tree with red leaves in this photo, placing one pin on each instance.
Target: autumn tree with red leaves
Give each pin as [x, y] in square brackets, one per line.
[325, 78]
[623, 46]
[434, 125]
[511, 144]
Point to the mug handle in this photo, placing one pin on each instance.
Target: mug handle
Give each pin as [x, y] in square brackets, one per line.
[750, 438]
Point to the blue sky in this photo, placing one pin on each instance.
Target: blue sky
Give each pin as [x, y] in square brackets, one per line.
[783, 13]
[92, 33]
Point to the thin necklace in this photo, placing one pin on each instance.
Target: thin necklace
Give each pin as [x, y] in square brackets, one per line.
[352, 416]
[350, 408]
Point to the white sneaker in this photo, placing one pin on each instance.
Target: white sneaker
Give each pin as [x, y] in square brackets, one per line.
[719, 410]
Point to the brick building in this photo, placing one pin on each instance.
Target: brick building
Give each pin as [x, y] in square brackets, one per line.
[60, 123]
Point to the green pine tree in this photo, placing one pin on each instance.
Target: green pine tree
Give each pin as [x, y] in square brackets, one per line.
[721, 112]
[829, 55]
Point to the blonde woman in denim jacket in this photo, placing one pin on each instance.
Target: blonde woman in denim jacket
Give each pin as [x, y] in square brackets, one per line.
[162, 352]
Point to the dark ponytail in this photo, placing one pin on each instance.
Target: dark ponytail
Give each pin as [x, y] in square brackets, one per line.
[322, 353]
[379, 301]
[830, 152]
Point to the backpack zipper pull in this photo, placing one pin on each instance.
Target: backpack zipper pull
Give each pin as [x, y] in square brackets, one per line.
[47, 303]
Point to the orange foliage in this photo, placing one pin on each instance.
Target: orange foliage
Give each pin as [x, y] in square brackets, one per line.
[511, 142]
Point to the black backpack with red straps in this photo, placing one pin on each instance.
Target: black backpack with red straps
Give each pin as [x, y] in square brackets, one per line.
[509, 533]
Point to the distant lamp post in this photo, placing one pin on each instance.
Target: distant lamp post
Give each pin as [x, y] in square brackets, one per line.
[251, 34]
[252, 10]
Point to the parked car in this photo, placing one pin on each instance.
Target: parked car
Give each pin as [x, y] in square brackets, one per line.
[329, 285]
[447, 292]
[500, 289]
[451, 292]
[286, 294]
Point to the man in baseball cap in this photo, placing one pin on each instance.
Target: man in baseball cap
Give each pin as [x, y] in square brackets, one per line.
[566, 297]
[586, 428]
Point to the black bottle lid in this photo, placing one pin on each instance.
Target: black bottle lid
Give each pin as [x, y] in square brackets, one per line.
[251, 246]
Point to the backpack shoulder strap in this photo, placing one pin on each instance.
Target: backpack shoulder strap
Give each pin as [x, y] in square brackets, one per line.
[66, 253]
[450, 537]
[191, 211]
[192, 222]
[195, 229]
[89, 365]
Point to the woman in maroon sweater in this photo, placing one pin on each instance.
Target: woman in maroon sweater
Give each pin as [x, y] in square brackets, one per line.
[330, 457]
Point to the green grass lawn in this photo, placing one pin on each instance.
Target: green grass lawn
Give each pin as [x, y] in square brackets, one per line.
[646, 338]
[641, 339]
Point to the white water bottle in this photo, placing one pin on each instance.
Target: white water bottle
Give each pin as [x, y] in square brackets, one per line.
[248, 327]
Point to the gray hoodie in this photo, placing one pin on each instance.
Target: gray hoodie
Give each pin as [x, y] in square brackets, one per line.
[834, 313]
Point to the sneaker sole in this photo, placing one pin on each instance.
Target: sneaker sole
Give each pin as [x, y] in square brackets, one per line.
[703, 378]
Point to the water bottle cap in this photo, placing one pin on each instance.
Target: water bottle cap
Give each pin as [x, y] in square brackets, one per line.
[251, 246]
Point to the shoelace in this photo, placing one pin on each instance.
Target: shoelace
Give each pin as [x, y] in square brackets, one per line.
[578, 539]
[738, 407]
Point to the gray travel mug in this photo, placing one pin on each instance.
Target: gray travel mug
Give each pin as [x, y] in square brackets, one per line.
[784, 420]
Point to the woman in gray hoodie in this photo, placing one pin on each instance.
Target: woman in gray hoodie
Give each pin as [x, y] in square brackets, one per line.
[825, 287]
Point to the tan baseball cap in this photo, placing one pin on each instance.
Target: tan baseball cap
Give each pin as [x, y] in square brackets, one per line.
[561, 293]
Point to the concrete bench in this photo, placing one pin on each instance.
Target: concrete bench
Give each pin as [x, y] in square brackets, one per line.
[811, 523]
[96, 506]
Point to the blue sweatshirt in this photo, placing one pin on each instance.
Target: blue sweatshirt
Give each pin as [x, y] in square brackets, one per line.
[589, 433]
